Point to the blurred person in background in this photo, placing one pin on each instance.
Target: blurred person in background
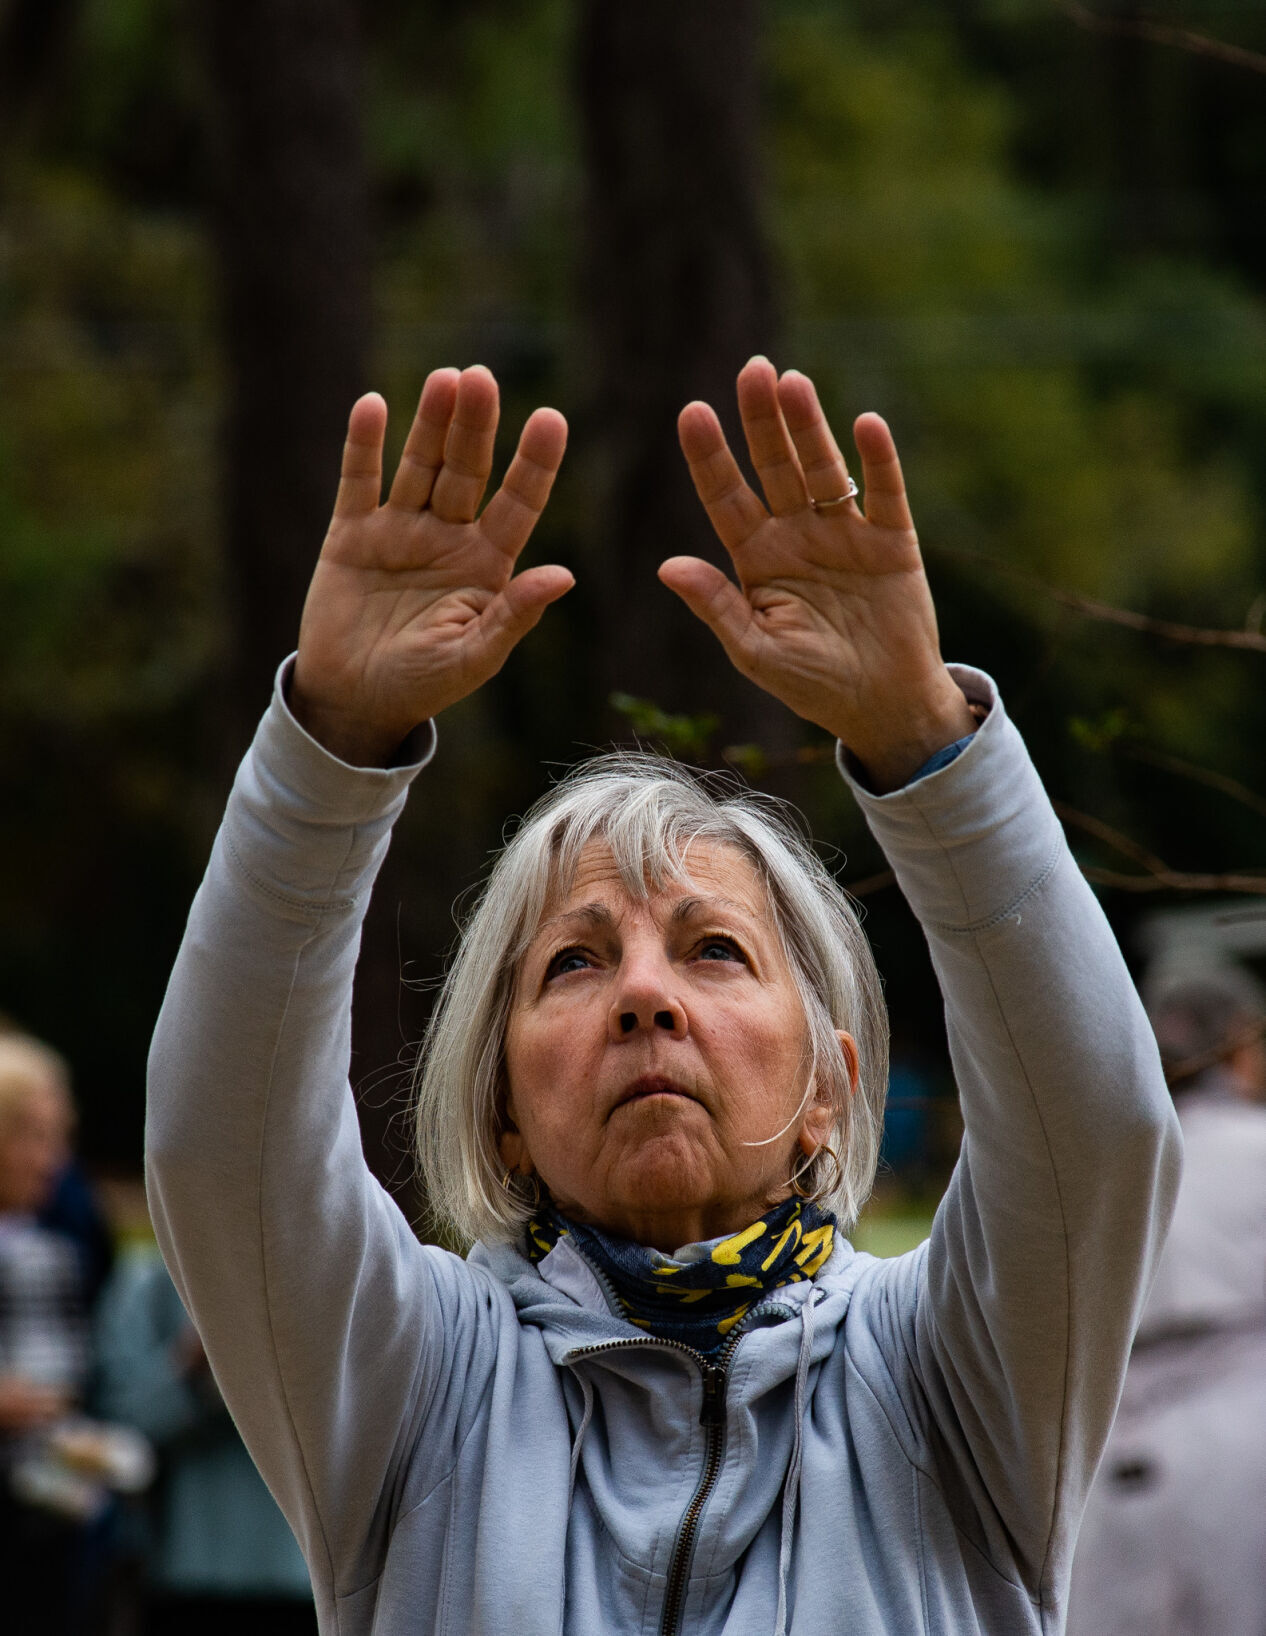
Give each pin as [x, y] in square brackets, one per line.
[221, 1555]
[74, 1210]
[44, 1350]
[1174, 1538]
[71, 1206]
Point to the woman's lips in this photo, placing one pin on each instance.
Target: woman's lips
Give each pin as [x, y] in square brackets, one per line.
[648, 1085]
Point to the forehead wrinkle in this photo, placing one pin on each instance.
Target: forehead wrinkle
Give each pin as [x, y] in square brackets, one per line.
[595, 915]
[701, 903]
[599, 916]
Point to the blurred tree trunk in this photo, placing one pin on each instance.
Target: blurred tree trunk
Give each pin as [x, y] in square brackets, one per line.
[678, 294]
[290, 217]
[34, 38]
[291, 235]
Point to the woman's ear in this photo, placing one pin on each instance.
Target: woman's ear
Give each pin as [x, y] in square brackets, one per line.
[819, 1116]
[510, 1144]
[852, 1061]
[815, 1129]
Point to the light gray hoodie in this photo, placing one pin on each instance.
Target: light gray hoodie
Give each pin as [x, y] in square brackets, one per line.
[485, 1448]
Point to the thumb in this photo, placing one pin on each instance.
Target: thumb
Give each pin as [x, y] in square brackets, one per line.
[716, 600]
[514, 611]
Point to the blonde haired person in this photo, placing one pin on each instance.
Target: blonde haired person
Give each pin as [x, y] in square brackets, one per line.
[662, 1394]
[44, 1340]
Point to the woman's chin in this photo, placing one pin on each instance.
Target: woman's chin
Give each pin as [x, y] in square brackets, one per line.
[665, 1173]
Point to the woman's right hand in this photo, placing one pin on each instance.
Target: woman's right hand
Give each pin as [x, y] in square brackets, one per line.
[413, 604]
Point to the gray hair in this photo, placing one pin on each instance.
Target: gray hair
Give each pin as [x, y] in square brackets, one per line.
[647, 811]
[1201, 1017]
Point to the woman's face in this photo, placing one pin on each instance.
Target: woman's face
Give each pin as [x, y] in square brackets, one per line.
[651, 1044]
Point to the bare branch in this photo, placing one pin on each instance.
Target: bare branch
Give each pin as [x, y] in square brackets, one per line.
[1183, 39]
[1221, 782]
[754, 761]
[1124, 844]
[1189, 1067]
[1159, 877]
[871, 883]
[1175, 880]
[1193, 635]
[1249, 639]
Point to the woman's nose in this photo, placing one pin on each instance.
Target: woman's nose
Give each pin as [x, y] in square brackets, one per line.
[646, 1000]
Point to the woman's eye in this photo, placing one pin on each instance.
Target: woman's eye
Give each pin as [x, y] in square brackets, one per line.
[720, 948]
[566, 960]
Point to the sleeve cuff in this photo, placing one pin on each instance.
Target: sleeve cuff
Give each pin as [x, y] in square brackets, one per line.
[414, 752]
[981, 694]
[304, 825]
[971, 837]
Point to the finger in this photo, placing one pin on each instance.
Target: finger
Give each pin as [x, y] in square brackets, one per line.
[463, 476]
[514, 611]
[768, 441]
[886, 501]
[360, 482]
[423, 451]
[824, 467]
[715, 599]
[732, 508]
[512, 513]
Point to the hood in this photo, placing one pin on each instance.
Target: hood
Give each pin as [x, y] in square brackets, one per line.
[567, 1301]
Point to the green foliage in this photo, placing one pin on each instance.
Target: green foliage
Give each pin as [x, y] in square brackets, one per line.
[473, 149]
[1080, 402]
[1069, 415]
[687, 738]
[931, 282]
[108, 576]
[1098, 736]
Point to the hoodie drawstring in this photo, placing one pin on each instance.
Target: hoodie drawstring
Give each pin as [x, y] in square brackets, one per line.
[586, 1389]
[791, 1487]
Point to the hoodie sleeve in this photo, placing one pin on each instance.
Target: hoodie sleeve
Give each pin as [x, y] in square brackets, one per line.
[1042, 1250]
[332, 1333]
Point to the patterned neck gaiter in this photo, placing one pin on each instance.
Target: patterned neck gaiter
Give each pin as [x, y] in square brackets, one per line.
[698, 1300]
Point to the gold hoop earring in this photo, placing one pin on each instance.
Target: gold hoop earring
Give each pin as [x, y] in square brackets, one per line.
[822, 1190]
[509, 1184]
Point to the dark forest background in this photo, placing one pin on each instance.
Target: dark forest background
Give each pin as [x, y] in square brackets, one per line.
[1036, 242]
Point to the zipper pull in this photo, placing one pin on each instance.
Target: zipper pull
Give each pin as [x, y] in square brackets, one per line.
[713, 1411]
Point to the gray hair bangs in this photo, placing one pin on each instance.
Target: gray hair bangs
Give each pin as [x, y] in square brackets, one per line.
[647, 811]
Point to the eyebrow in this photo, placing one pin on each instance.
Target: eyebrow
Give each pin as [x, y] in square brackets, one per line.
[688, 908]
[595, 916]
[598, 917]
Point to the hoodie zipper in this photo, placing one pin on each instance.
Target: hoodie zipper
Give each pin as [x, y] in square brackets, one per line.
[712, 1418]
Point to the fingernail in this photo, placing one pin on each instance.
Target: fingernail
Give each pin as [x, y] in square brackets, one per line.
[757, 358]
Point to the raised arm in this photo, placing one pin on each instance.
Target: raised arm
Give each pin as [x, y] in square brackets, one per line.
[331, 1332]
[999, 1349]
[832, 612]
[413, 604]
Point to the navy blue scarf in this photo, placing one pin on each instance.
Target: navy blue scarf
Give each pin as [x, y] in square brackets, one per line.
[698, 1302]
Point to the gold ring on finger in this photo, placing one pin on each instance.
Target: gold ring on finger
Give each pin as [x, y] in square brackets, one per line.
[838, 500]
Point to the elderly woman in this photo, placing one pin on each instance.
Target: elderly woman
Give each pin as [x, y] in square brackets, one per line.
[662, 1394]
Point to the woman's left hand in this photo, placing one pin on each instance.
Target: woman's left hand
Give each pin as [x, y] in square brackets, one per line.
[832, 613]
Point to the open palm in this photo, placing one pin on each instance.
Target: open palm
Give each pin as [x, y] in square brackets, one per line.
[832, 612]
[414, 602]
